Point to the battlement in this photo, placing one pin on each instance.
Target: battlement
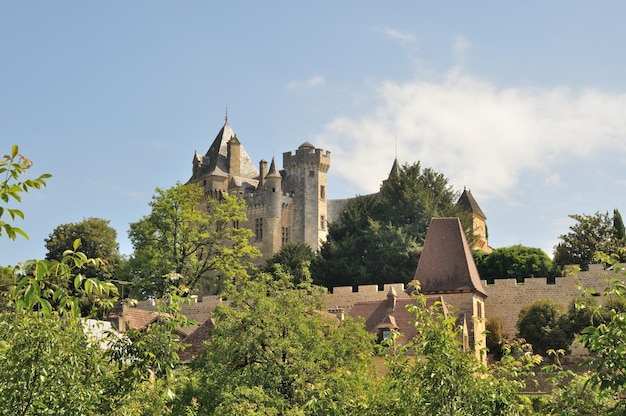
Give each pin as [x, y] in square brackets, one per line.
[306, 154]
[507, 297]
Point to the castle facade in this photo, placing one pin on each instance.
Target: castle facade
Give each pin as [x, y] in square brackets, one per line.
[288, 205]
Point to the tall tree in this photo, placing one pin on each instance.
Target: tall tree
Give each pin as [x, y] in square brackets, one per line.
[97, 240]
[618, 225]
[189, 238]
[379, 237]
[591, 234]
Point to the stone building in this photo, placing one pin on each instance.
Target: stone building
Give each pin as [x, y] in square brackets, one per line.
[284, 206]
[288, 205]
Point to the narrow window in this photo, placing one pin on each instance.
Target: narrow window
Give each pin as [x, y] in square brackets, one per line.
[322, 192]
[258, 229]
[311, 173]
[322, 222]
[285, 236]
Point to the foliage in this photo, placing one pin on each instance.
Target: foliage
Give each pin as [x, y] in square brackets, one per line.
[48, 367]
[295, 258]
[374, 254]
[618, 226]
[607, 340]
[378, 237]
[97, 240]
[433, 375]
[541, 324]
[590, 235]
[194, 239]
[495, 338]
[271, 351]
[12, 166]
[573, 396]
[515, 262]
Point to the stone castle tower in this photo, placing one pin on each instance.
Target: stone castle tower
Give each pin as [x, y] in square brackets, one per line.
[283, 206]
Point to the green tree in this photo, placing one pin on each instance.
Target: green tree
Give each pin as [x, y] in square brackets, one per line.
[295, 259]
[378, 238]
[515, 262]
[271, 351]
[12, 166]
[618, 226]
[542, 324]
[194, 239]
[433, 375]
[97, 240]
[591, 234]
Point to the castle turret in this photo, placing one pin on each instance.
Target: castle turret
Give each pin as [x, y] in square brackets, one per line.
[306, 181]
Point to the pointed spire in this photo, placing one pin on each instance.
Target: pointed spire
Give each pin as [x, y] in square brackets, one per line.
[226, 118]
[395, 169]
[273, 172]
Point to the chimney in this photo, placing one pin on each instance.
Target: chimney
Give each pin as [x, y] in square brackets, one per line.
[263, 172]
[234, 156]
[391, 299]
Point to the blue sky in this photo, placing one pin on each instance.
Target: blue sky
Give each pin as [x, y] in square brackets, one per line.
[523, 103]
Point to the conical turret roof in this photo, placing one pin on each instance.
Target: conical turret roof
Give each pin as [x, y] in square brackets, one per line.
[273, 171]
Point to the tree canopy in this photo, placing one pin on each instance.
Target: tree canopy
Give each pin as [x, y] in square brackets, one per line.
[379, 237]
[271, 351]
[517, 261]
[591, 234]
[97, 240]
[192, 237]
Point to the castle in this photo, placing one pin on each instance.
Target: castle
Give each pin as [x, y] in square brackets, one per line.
[289, 205]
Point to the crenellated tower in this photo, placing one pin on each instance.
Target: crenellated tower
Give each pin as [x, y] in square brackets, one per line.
[305, 181]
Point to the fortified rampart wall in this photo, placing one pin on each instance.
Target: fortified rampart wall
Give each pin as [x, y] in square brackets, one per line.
[506, 297]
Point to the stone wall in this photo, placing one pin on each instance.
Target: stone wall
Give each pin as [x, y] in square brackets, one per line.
[506, 297]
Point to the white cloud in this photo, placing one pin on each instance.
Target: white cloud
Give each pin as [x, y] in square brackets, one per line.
[396, 35]
[479, 135]
[315, 81]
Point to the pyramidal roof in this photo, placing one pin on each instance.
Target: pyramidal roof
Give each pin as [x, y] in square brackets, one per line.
[446, 264]
[218, 154]
[467, 201]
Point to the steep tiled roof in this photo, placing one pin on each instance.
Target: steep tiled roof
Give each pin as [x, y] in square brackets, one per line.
[195, 341]
[446, 264]
[217, 155]
[467, 201]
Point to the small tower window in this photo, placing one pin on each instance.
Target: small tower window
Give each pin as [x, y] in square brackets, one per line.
[285, 236]
[322, 222]
[322, 192]
[311, 173]
[258, 229]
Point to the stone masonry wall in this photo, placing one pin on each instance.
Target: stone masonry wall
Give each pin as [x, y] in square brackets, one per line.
[506, 297]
